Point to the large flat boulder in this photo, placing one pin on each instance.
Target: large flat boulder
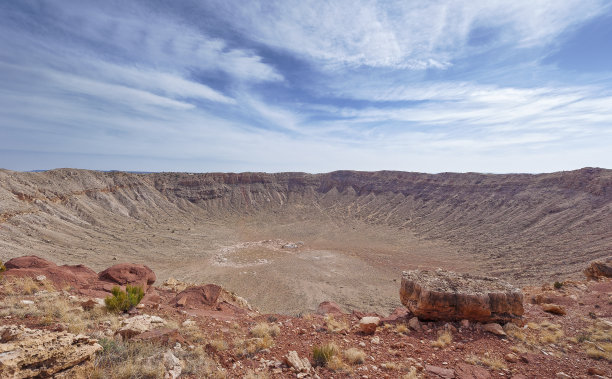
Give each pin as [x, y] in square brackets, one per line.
[446, 295]
[27, 353]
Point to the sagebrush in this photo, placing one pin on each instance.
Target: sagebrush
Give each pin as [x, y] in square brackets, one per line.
[122, 301]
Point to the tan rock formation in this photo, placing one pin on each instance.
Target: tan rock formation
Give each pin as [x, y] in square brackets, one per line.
[598, 269]
[445, 295]
[136, 325]
[26, 353]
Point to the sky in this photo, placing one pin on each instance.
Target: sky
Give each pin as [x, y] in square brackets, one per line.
[313, 86]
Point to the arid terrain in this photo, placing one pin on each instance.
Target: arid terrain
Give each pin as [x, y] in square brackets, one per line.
[288, 241]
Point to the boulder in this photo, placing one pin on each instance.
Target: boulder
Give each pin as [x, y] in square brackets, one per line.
[26, 353]
[133, 326]
[554, 309]
[207, 295]
[446, 295]
[598, 269]
[441, 372]
[368, 325]
[329, 307]
[162, 336]
[494, 328]
[415, 324]
[298, 364]
[172, 365]
[129, 273]
[35, 267]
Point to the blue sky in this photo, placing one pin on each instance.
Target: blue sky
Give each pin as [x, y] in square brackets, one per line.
[315, 86]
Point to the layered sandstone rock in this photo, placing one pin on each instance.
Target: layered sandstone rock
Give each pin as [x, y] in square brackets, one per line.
[445, 295]
[26, 353]
[598, 269]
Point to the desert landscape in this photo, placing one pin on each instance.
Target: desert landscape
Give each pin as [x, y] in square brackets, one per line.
[344, 236]
[298, 275]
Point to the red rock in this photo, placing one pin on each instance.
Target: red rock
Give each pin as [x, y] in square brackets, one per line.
[206, 295]
[32, 266]
[28, 261]
[128, 273]
[596, 371]
[445, 295]
[554, 309]
[329, 307]
[368, 325]
[467, 371]
[445, 373]
[399, 314]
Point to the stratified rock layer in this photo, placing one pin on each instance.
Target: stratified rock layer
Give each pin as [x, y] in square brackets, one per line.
[598, 269]
[27, 353]
[445, 295]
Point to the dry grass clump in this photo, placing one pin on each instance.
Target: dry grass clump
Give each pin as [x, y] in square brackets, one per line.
[219, 344]
[334, 325]
[337, 364]
[402, 329]
[248, 347]
[264, 329]
[444, 339]
[322, 355]
[551, 333]
[199, 364]
[392, 366]
[2, 267]
[412, 373]
[124, 360]
[597, 341]
[354, 356]
[486, 360]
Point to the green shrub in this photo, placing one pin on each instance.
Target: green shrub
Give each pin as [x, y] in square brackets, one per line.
[321, 355]
[558, 285]
[122, 301]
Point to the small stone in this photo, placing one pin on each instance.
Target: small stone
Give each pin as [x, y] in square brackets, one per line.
[415, 324]
[368, 325]
[27, 302]
[554, 309]
[494, 328]
[595, 371]
[511, 357]
[41, 278]
[362, 344]
[375, 340]
[465, 323]
[562, 375]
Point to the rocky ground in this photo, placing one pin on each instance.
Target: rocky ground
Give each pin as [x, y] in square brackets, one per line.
[53, 322]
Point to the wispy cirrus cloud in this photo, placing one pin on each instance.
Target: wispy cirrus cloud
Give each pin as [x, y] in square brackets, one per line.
[310, 86]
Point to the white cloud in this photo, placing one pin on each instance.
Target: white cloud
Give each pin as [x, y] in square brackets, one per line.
[401, 34]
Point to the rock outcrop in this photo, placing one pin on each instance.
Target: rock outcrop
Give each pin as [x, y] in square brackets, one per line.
[129, 273]
[598, 269]
[445, 295]
[26, 353]
[66, 275]
[136, 325]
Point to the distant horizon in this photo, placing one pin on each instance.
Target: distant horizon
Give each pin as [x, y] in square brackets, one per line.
[310, 173]
[310, 86]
